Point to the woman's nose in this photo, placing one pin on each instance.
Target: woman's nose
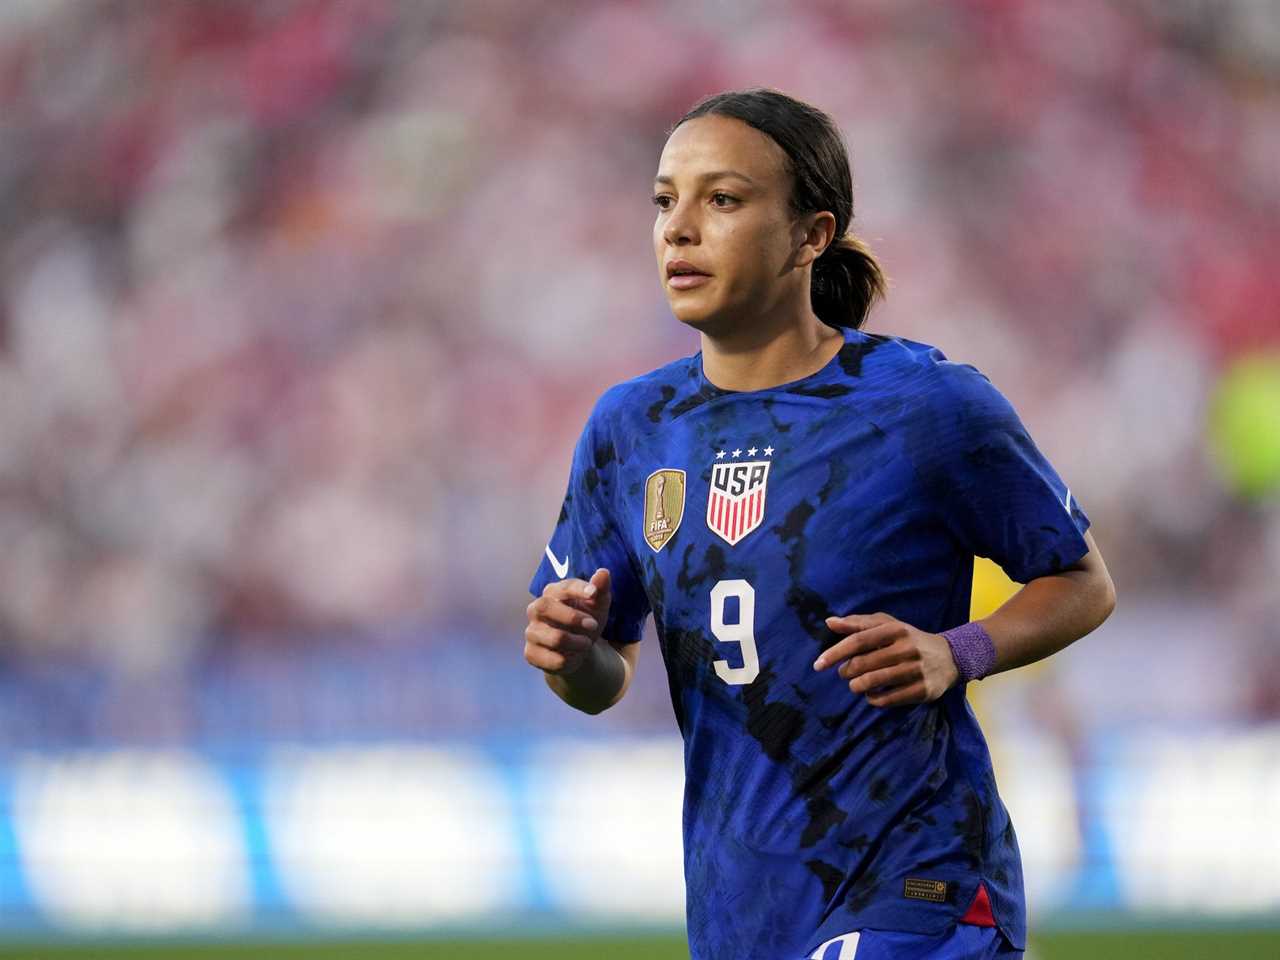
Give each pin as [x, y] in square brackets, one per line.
[680, 227]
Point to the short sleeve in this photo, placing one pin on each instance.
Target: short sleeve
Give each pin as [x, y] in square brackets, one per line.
[997, 494]
[586, 535]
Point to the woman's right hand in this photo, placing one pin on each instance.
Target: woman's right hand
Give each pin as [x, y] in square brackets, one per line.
[565, 623]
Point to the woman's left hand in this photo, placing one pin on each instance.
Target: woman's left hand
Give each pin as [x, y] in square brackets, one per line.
[891, 662]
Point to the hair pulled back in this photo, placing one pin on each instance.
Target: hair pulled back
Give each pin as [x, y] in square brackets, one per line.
[847, 278]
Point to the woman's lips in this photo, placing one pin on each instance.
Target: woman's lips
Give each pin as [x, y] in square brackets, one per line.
[686, 281]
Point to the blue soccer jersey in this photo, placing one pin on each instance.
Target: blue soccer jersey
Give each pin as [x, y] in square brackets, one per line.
[742, 520]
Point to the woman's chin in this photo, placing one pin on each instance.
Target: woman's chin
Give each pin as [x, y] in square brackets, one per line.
[700, 318]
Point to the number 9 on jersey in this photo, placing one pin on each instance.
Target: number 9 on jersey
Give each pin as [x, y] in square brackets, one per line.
[741, 633]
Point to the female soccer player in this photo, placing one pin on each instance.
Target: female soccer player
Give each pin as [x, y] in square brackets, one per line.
[799, 505]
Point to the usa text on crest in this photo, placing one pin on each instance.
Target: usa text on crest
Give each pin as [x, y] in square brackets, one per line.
[735, 504]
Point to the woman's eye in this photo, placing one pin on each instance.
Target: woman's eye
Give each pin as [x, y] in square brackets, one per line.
[722, 199]
[662, 201]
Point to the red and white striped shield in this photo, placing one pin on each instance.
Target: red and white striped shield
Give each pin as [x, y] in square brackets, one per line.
[735, 505]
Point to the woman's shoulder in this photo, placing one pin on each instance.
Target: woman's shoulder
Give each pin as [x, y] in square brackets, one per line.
[923, 366]
[652, 397]
[888, 351]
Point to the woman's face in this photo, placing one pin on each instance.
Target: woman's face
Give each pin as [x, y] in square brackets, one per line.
[723, 196]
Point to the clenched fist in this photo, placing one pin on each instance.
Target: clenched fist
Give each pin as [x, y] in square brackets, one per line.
[565, 623]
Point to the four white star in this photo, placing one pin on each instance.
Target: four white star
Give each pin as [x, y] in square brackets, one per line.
[768, 452]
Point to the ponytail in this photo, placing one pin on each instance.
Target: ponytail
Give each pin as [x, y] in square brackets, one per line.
[847, 280]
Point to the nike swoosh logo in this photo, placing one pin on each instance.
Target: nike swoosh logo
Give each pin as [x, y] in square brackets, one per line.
[561, 569]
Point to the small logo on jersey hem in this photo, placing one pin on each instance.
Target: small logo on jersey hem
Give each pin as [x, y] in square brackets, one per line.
[735, 498]
[663, 506]
[917, 888]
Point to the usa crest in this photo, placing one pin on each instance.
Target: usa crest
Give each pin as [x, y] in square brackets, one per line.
[663, 506]
[735, 504]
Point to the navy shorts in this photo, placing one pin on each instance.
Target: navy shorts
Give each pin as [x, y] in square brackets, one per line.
[965, 941]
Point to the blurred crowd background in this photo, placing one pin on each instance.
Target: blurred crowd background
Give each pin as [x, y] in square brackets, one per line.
[303, 304]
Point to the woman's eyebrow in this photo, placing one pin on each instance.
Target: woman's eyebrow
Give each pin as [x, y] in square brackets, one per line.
[712, 175]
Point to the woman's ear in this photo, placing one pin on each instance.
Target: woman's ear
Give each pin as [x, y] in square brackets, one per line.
[819, 230]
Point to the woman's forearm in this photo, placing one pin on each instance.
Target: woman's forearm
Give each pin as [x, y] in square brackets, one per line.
[595, 686]
[1051, 612]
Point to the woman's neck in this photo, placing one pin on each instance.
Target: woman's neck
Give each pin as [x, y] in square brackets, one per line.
[768, 355]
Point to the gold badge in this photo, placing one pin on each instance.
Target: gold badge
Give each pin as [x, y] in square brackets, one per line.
[663, 506]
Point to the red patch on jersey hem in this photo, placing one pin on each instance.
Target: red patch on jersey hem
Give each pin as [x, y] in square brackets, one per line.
[979, 912]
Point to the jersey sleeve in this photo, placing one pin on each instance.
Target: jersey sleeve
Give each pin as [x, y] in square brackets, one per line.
[586, 535]
[997, 494]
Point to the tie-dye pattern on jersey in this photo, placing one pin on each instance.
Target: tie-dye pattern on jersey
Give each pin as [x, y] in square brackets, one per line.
[868, 486]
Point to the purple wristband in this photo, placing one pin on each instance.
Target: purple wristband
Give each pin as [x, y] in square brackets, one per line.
[973, 650]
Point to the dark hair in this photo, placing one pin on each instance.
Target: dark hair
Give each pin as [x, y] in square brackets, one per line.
[847, 278]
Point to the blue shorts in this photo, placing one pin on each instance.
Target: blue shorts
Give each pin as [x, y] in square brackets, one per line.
[963, 942]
